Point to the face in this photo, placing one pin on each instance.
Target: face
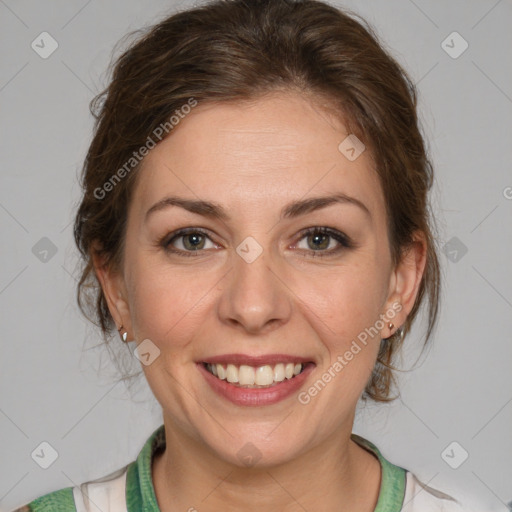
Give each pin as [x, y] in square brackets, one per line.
[253, 241]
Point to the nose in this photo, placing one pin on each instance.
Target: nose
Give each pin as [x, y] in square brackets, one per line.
[255, 298]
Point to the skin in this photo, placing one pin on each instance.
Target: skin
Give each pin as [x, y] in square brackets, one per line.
[253, 158]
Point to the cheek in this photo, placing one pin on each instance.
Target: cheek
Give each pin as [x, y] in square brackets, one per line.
[346, 300]
[343, 306]
[167, 305]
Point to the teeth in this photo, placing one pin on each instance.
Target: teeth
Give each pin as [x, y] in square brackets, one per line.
[264, 376]
[231, 373]
[279, 372]
[248, 376]
[221, 373]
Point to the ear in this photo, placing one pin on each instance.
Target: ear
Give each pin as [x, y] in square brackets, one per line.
[405, 283]
[114, 289]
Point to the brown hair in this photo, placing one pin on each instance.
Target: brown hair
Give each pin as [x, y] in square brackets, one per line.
[229, 50]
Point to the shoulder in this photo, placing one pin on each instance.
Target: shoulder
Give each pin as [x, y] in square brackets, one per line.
[56, 501]
[109, 493]
[420, 497]
[106, 493]
[402, 491]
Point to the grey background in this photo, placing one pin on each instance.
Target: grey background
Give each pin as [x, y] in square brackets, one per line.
[51, 389]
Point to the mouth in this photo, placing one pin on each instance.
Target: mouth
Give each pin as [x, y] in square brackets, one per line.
[254, 377]
[256, 380]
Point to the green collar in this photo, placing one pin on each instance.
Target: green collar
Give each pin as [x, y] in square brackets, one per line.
[392, 484]
[140, 493]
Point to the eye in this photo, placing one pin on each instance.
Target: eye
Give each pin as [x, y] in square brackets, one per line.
[323, 240]
[188, 240]
[318, 241]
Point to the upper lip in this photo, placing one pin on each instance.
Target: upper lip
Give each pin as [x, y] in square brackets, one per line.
[270, 359]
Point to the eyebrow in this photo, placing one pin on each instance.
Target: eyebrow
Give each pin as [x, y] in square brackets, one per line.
[291, 210]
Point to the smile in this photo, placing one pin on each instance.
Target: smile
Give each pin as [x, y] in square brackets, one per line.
[256, 380]
[263, 376]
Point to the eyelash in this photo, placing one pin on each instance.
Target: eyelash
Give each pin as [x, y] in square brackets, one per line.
[343, 240]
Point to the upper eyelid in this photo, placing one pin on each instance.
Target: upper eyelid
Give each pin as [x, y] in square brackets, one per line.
[184, 232]
[339, 236]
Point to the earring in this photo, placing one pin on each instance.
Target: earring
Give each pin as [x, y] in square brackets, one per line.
[124, 335]
[390, 326]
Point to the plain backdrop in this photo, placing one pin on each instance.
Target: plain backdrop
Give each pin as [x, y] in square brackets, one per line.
[52, 390]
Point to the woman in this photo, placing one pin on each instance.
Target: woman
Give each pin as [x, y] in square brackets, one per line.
[255, 218]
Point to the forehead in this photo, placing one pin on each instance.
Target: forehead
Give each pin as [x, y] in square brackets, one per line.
[274, 149]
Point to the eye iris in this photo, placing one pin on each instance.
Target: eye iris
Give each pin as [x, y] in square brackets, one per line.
[320, 241]
[193, 241]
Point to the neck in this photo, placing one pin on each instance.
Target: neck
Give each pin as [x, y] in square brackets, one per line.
[337, 475]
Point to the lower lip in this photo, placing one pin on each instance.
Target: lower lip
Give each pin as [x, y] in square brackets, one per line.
[256, 396]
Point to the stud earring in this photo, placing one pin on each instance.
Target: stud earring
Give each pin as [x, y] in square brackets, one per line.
[390, 326]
